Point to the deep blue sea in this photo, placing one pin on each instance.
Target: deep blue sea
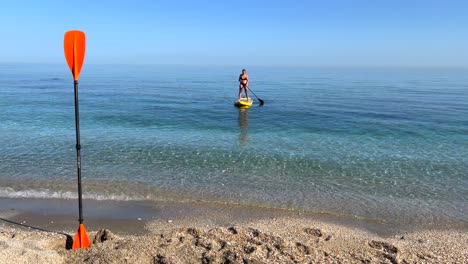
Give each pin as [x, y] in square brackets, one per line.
[387, 145]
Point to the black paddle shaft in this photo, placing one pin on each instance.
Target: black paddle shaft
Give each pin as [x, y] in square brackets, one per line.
[260, 100]
[78, 153]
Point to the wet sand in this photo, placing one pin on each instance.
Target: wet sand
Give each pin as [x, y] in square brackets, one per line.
[35, 230]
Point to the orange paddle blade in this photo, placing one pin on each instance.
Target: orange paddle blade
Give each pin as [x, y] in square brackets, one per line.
[81, 238]
[74, 45]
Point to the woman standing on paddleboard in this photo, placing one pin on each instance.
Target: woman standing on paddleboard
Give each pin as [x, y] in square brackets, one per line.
[244, 84]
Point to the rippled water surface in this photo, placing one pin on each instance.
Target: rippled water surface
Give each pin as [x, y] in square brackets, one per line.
[379, 144]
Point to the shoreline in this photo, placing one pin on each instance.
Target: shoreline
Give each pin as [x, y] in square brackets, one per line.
[389, 211]
[131, 217]
[196, 232]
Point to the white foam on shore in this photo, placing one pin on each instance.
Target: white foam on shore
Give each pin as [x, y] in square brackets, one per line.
[7, 192]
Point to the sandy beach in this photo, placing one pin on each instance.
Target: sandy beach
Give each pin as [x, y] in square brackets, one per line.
[198, 232]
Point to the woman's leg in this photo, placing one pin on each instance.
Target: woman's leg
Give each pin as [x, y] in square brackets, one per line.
[240, 92]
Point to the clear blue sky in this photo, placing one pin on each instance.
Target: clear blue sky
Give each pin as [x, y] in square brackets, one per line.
[317, 33]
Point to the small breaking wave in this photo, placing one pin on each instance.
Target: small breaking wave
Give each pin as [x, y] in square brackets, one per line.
[7, 192]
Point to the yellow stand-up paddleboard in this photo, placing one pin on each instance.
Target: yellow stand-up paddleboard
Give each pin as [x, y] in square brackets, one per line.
[244, 102]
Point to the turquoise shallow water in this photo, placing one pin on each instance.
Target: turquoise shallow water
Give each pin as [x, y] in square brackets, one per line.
[383, 144]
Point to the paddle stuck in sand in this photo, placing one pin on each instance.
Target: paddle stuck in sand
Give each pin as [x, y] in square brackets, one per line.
[74, 46]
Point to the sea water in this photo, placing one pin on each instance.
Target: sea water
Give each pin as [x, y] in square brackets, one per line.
[387, 145]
